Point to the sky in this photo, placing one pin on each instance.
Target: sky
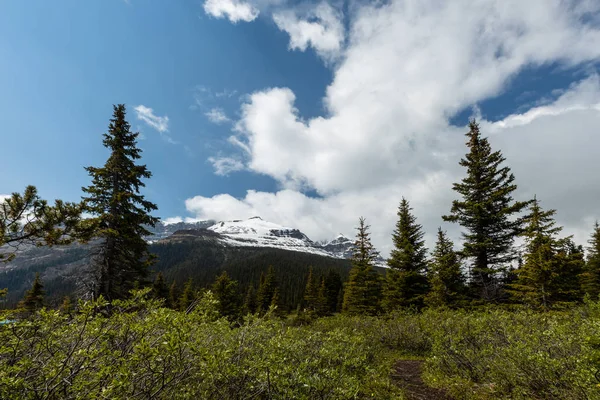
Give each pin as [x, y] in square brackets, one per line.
[308, 114]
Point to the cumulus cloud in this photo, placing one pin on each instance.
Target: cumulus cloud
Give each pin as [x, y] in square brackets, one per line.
[407, 67]
[321, 27]
[234, 10]
[216, 115]
[225, 165]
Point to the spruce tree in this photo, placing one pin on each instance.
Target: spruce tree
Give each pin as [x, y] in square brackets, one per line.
[266, 291]
[362, 294]
[119, 212]
[310, 292]
[544, 272]
[321, 306]
[250, 303]
[225, 290]
[488, 213]
[446, 279]
[159, 288]
[406, 280]
[590, 278]
[333, 286]
[188, 296]
[34, 297]
[173, 296]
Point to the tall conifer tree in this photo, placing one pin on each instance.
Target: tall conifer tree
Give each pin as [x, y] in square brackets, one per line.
[226, 291]
[446, 279]
[266, 290]
[310, 292]
[406, 280]
[488, 213]
[120, 213]
[362, 294]
[159, 287]
[590, 279]
[34, 298]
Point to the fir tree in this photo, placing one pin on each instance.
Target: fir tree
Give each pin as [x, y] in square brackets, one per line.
[226, 291]
[173, 296]
[362, 294]
[188, 296]
[34, 298]
[568, 282]
[120, 214]
[250, 303]
[321, 306]
[159, 287]
[310, 292]
[590, 278]
[539, 278]
[487, 212]
[266, 291]
[446, 279]
[406, 279]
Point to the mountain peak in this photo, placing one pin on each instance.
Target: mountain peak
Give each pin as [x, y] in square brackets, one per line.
[255, 217]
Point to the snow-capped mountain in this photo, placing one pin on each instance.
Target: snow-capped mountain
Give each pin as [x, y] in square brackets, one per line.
[255, 232]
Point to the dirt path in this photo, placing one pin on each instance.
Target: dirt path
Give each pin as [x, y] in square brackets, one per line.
[407, 375]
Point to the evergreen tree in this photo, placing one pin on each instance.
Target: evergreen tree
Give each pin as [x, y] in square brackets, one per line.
[333, 286]
[590, 278]
[45, 225]
[568, 285]
[250, 303]
[446, 278]
[266, 291]
[159, 288]
[321, 306]
[173, 296]
[120, 214]
[34, 298]
[188, 296]
[362, 294]
[67, 306]
[544, 269]
[406, 279]
[310, 292]
[487, 212]
[226, 291]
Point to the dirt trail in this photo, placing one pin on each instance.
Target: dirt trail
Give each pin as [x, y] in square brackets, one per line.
[407, 375]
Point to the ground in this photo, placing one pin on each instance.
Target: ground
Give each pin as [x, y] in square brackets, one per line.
[407, 375]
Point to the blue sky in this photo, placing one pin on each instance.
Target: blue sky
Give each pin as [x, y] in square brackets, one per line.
[325, 108]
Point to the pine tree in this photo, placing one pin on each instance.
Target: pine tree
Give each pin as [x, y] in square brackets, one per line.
[540, 278]
[310, 292]
[406, 279]
[568, 283]
[266, 291]
[590, 278]
[226, 291]
[446, 279]
[188, 296]
[34, 298]
[321, 306]
[159, 287]
[362, 294]
[487, 212]
[250, 303]
[173, 296]
[120, 214]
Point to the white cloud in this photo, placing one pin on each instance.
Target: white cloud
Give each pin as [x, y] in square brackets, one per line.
[407, 67]
[161, 124]
[321, 27]
[225, 165]
[234, 10]
[217, 115]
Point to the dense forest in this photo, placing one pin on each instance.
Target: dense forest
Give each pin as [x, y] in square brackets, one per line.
[184, 320]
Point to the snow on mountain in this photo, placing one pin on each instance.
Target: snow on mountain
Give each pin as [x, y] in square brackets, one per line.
[256, 232]
[340, 247]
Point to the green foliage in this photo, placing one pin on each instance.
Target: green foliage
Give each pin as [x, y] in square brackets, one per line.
[447, 282]
[145, 351]
[310, 292]
[513, 355]
[406, 280]
[34, 298]
[27, 219]
[159, 287]
[486, 211]
[267, 290]
[188, 296]
[120, 214]
[226, 291]
[590, 279]
[362, 293]
[250, 303]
